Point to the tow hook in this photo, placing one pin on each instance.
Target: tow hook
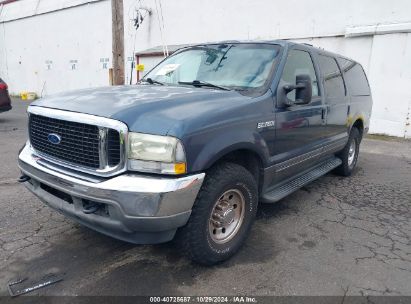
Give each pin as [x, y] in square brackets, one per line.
[91, 207]
[23, 178]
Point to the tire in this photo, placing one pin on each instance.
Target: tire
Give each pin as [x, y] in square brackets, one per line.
[349, 161]
[206, 240]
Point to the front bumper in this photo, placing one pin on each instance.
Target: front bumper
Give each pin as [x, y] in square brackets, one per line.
[132, 207]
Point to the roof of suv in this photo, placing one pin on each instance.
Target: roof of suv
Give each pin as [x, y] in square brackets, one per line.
[285, 43]
[155, 51]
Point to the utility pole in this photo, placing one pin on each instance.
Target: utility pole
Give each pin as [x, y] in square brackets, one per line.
[117, 41]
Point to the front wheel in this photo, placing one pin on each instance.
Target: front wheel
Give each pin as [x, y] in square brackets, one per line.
[349, 155]
[222, 215]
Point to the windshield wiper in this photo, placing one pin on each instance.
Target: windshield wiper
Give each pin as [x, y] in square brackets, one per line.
[200, 83]
[152, 81]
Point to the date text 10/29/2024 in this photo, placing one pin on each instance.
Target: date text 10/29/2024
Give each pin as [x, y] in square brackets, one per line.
[203, 299]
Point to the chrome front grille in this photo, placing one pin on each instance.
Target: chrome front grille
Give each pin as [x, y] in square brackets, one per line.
[87, 143]
[79, 142]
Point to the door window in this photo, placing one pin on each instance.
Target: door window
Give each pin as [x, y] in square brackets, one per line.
[298, 63]
[333, 81]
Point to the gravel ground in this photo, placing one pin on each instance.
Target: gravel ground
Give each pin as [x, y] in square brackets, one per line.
[335, 236]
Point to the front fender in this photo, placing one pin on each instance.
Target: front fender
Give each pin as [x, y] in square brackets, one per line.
[208, 148]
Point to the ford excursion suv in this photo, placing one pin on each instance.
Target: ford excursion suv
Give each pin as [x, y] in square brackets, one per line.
[189, 152]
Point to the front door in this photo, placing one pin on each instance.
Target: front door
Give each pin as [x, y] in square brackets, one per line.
[300, 129]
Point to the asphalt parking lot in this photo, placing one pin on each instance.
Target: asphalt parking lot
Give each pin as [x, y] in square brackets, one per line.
[335, 236]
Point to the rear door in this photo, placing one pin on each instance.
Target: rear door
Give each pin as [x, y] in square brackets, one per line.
[335, 97]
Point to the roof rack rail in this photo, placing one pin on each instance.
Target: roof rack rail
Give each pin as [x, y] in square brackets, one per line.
[229, 41]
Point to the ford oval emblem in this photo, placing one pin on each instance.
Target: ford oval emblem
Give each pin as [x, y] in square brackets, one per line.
[54, 138]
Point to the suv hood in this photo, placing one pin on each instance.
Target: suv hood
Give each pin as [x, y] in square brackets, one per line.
[149, 109]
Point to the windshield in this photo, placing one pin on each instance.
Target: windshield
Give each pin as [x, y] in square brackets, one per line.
[233, 66]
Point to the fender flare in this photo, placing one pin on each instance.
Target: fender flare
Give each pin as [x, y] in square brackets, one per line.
[225, 143]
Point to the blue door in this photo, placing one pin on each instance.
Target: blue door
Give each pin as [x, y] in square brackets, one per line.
[300, 129]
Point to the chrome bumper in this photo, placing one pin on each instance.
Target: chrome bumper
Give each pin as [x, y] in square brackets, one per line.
[134, 208]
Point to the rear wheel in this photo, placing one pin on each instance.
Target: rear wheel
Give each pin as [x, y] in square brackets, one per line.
[349, 155]
[221, 216]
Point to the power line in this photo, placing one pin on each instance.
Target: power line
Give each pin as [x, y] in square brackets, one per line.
[164, 28]
[161, 29]
[138, 20]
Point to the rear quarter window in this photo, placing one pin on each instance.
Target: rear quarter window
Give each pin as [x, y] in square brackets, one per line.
[355, 78]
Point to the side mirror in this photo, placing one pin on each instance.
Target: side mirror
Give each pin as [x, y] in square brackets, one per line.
[303, 90]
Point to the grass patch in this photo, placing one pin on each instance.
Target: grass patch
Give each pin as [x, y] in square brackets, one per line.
[384, 137]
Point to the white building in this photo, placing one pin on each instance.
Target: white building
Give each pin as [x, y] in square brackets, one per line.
[47, 46]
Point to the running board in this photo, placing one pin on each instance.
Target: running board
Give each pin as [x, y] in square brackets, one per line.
[289, 187]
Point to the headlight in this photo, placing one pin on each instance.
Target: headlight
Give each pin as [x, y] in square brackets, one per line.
[156, 154]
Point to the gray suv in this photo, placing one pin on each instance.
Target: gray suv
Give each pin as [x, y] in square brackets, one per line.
[189, 152]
